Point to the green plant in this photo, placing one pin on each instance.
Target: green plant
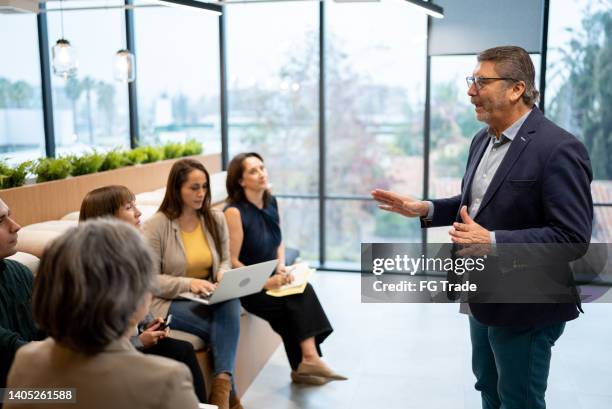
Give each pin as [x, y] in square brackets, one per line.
[136, 156]
[13, 176]
[5, 175]
[192, 147]
[152, 153]
[86, 163]
[114, 159]
[173, 150]
[47, 169]
[20, 173]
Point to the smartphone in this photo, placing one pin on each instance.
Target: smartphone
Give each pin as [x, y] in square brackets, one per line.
[165, 324]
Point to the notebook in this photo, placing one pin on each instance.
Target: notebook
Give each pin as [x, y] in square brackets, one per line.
[301, 273]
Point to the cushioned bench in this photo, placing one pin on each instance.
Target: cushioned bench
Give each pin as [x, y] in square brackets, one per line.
[30, 261]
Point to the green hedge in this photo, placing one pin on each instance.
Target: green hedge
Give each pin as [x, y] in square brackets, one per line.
[13, 176]
[46, 169]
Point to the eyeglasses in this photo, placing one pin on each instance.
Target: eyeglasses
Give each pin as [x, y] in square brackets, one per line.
[482, 81]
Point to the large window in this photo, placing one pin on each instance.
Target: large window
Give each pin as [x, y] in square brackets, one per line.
[21, 117]
[91, 109]
[273, 76]
[375, 59]
[579, 91]
[178, 76]
[375, 62]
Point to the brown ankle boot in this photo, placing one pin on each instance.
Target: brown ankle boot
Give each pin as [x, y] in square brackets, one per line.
[220, 392]
[234, 402]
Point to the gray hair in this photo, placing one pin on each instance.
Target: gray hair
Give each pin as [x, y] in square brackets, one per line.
[90, 282]
[514, 62]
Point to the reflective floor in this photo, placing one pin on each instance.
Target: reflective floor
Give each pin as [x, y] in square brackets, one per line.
[417, 356]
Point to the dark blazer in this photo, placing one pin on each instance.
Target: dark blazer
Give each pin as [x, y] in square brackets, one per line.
[539, 194]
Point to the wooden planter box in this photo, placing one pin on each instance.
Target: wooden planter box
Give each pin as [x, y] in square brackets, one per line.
[52, 200]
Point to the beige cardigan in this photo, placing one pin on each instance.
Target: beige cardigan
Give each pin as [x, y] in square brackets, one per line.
[118, 377]
[164, 236]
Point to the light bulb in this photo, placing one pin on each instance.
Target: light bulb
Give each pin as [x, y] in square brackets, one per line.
[64, 59]
[125, 66]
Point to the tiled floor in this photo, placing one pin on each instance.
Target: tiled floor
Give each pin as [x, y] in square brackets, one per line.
[417, 356]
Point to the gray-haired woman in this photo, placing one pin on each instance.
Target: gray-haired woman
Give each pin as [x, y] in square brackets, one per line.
[93, 286]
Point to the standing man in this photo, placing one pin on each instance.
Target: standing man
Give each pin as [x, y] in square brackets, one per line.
[527, 181]
[16, 323]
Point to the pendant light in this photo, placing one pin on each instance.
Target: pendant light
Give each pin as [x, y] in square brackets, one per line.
[125, 66]
[63, 54]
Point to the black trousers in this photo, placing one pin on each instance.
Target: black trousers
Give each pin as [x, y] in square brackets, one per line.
[181, 351]
[295, 318]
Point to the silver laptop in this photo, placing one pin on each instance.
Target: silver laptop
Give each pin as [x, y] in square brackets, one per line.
[237, 283]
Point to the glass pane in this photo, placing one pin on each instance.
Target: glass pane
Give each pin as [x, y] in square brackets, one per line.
[375, 95]
[91, 109]
[273, 90]
[453, 124]
[21, 120]
[602, 225]
[602, 191]
[352, 222]
[178, 76]
[300, 226]
[578, 91]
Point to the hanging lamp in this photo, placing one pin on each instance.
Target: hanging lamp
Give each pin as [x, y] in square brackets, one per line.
[124, 66]
[64, 59]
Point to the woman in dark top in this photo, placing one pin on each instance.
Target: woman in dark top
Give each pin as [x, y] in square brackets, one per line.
[255, 236]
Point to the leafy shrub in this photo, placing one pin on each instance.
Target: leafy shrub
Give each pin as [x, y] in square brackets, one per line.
[152, 153]
[114, 159]
[86, 163]
[173, 150]
[135, 156]
[20, 173]
[192, 147]
[47, 169]
[13, 176]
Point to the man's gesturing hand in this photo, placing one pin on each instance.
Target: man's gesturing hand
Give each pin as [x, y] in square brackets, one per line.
[469, 232]
[404, 205]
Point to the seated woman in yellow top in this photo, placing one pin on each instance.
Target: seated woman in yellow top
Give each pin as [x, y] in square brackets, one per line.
[192, 245]
[197, 253]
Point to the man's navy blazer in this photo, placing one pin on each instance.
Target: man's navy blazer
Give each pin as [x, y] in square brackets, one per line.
[539, 194]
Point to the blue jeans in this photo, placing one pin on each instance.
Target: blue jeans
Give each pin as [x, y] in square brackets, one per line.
[218, 325]
[511, 365]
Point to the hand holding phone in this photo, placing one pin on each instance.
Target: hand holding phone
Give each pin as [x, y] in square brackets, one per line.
[165, 324]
